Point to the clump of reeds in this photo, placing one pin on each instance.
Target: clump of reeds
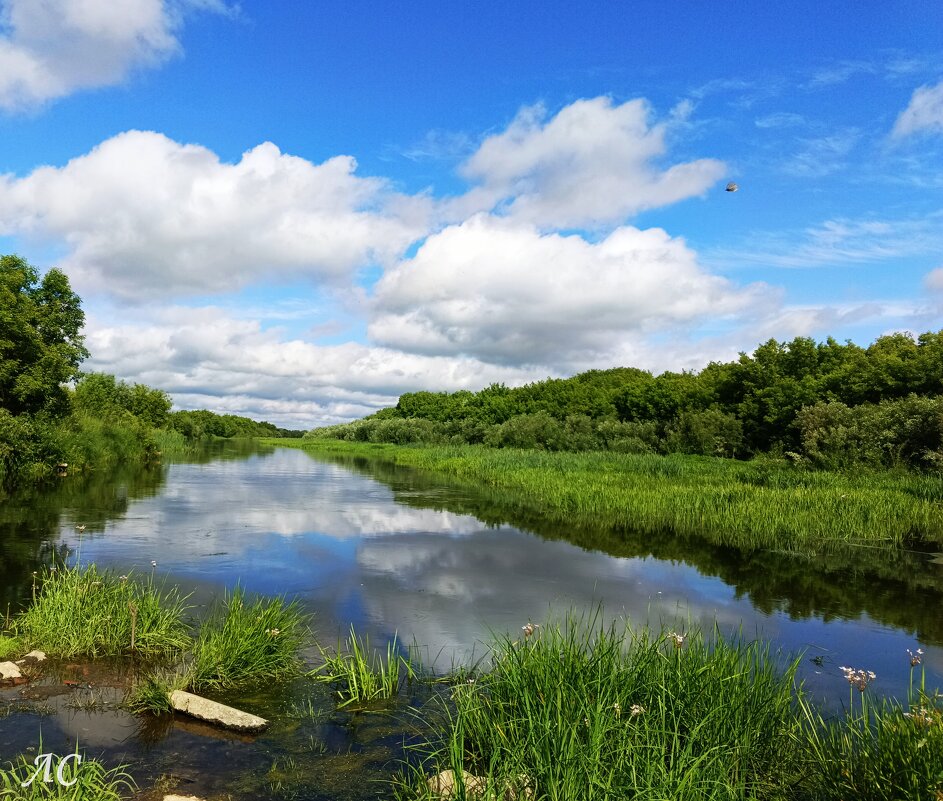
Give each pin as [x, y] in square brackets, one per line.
[85, 780]
[87, 612]
[587, 711]
[244, 642]
[877, 751]
[362, 674]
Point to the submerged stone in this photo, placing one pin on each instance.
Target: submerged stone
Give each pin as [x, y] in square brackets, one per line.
[444, 784]
[214, 712]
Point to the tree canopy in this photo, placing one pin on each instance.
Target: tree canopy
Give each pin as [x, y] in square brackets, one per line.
[41, 346]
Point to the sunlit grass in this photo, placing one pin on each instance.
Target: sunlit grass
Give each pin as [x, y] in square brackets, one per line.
[9, 647]
[761, 504]
[879, 751]
[88, 612]
[581, 710]
[244, 643]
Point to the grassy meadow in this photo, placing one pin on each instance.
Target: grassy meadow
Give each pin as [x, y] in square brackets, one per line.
[760, 504]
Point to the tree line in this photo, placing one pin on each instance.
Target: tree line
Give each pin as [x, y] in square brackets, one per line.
[52, 414]
[826, 404]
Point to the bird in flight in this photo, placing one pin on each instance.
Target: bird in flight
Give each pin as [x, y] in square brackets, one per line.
[732, 187]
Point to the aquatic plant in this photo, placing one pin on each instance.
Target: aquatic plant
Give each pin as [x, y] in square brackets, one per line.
[151, 692]
[88, 612]
[363, 674]
[244, 642]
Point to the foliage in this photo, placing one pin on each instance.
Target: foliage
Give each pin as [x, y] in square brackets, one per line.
[104, 396]
[834, 405]
[201, 423]
[40, 344]
[87, 612]
[9, 647]
[244, 643]
[151, 693]
[878, 751]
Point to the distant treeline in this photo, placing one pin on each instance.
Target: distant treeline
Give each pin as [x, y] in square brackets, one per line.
[828, 404]
[51, 414]
[104, 421]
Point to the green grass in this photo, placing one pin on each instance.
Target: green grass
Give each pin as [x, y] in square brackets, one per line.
[151, 692]
[10, 647]
[244, 643]
[878, 752]
[361, 674]
[91, 613]
[93, 782]
[585, 711]
[580, 710]
[763, 504]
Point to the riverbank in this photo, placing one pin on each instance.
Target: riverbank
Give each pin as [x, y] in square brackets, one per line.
[761, 504]
[570, 709]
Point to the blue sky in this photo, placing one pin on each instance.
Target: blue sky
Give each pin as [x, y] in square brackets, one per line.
[300, 211]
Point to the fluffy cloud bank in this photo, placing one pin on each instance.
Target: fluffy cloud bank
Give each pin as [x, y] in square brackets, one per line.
[923, 113]
[504, 293]
[591, 164]
[208, 359]
[50, 48]
[146, 217]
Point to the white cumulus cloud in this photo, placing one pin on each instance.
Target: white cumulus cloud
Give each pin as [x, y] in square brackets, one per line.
[593, 163]
[143, 216]
[503, 292]
[923, 113]
[51, 48]
[206, 358]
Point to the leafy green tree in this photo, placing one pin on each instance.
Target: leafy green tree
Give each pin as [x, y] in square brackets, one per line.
[41, 347]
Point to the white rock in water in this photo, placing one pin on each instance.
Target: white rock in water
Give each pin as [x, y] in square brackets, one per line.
[444, 785]
[214, 712]
[9, 671]
[39, 656]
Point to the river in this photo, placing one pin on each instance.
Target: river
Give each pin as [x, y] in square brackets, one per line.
[443, 566]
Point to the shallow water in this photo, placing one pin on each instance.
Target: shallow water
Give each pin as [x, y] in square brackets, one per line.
[442, 565]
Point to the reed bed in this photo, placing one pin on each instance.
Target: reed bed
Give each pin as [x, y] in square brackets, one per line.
[763, 504]
[243, 643]
[88, 612]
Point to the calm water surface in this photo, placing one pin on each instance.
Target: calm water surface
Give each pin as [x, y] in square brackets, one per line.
[390, 551]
